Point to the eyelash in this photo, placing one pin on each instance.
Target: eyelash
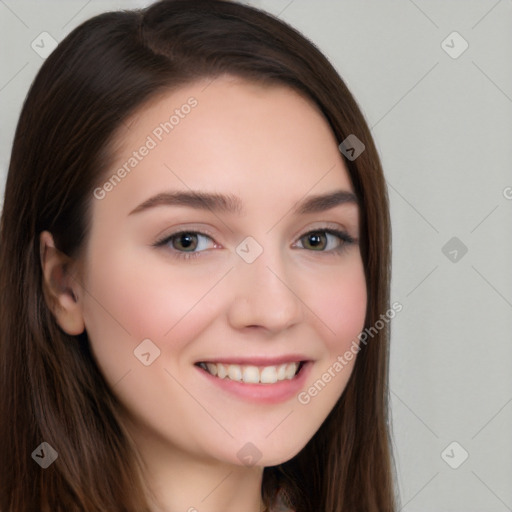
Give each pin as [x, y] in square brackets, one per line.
[345, 238]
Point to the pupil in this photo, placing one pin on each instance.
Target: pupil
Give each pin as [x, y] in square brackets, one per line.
[186, 240]
[315, 240]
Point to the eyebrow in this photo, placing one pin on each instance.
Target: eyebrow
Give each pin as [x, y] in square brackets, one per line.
[232, 204]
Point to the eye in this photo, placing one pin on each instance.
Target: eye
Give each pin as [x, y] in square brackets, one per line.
[186, 244]
[190, 244]
[326, 240]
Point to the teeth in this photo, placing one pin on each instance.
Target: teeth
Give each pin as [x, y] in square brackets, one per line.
[235, 372]
[252, 374]
[221, 371]
[289, 372]
[269, 374]
[281, 372]
[212, 368]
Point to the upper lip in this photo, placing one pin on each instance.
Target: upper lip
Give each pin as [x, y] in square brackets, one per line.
[257, 361]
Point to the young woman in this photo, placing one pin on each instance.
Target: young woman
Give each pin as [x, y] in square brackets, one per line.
[195, 245]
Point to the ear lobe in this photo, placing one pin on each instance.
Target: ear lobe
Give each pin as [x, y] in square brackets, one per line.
[59, 288]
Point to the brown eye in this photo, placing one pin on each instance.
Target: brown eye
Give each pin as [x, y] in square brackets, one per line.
[326, 240]
[186, 244]
[184, 241]
[315, 240]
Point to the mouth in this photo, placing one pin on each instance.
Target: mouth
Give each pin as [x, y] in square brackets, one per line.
[252, 374]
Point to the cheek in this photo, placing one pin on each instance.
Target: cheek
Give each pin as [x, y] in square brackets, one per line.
[341, 304]
[131, 300]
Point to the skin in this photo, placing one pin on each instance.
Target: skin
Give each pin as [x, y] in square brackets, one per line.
[271, 147]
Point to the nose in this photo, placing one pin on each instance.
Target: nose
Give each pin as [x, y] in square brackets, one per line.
[264, 294]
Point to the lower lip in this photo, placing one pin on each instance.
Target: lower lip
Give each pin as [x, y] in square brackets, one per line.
[262, 393]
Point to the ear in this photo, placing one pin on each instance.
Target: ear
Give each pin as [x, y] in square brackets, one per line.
[60, 290]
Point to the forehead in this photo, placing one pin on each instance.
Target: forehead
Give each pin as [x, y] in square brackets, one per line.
[265, 143]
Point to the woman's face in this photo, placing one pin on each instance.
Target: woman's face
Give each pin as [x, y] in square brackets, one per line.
[259, 284]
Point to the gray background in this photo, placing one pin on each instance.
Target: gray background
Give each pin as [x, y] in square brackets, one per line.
[443, 129]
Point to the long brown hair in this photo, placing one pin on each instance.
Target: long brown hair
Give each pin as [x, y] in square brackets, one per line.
[51, 388]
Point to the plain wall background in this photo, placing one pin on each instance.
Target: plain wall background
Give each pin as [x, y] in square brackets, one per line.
[443, 127]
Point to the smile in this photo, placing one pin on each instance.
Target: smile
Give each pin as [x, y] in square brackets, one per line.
[251, 374]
